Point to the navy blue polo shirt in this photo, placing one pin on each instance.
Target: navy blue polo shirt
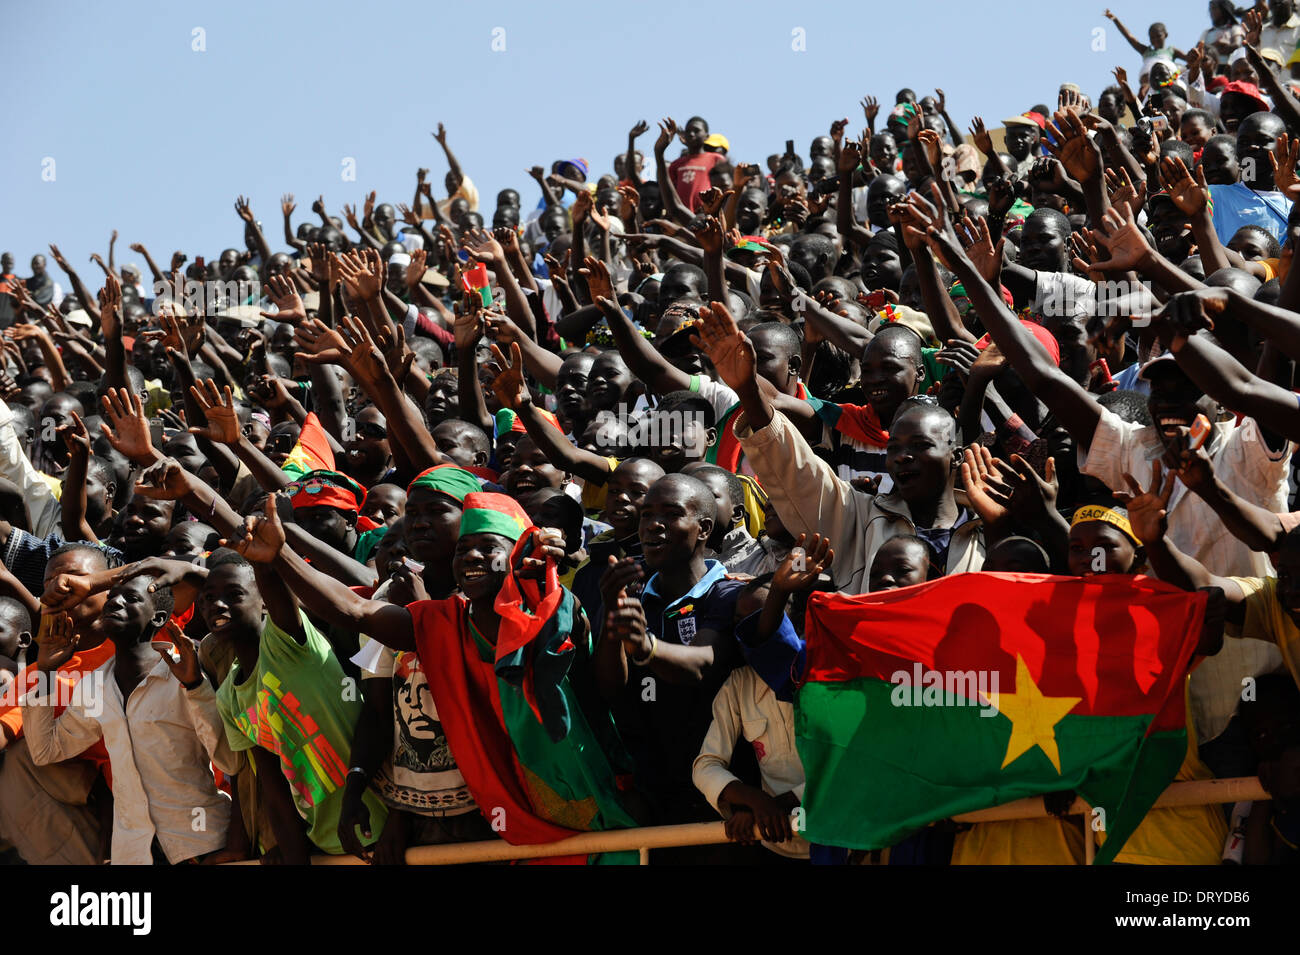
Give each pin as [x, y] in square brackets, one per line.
[664, 723]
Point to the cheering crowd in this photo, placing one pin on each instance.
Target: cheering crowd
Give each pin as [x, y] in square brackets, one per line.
[433, 529]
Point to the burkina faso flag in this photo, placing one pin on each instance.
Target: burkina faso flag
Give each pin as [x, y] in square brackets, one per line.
[974, 690]
[312, 452]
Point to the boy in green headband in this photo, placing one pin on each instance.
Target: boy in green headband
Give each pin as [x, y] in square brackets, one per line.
[507, 663]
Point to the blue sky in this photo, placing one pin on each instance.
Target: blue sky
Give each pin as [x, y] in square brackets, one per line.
[156, 139]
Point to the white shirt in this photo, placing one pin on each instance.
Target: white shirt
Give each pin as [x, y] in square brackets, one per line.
[1244, 463]
[43, 509]
[159, 743]
[745, 704]
[1283, 38]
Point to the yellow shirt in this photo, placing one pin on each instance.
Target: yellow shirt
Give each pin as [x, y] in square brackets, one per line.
[1183, 835]
[1266, 620]
[1046, 841]
[593, 495]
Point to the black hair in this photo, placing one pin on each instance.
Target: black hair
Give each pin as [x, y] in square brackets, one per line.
[83, 391]
[735, 487]
[223, 556]
[72, 547]
[22, 617]
[1223, 139]
[1200, 114]
[1180, 149]
[891, 330]
[1271, 247]
[926, 409]
[1128, 406]
[428, 351]
[102, 467]
[478, 438]
[699, 493]
[781, 334]
[688, 402]
[698, 119]
[1058, 218]
[931, 556]
[163, 599]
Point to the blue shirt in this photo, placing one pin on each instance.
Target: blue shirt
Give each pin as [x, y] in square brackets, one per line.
[1238, 205]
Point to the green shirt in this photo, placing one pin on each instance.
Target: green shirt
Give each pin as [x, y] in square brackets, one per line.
[299, 706]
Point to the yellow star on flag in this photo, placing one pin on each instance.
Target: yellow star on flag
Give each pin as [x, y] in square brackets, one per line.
[1033, 717]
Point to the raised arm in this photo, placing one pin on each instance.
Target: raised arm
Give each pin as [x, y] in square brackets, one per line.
[511, 391]
[676, 209]
[1073, 406]
[262, 542]
[641, 357]
[1124, 32]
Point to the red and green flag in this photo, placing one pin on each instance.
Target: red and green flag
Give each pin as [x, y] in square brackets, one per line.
[312, 452]
[476, 280]
[975, 690]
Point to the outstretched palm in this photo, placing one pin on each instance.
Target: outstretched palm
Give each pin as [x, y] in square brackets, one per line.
[730, 351]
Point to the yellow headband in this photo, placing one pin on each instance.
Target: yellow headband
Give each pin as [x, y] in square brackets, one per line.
[1098, 512]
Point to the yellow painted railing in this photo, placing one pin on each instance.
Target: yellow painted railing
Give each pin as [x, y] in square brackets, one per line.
[1199, 793]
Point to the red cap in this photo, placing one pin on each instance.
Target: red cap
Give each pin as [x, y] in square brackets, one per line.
[1247, 89]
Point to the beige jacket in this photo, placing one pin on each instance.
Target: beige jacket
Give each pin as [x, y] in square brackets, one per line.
[811, 499]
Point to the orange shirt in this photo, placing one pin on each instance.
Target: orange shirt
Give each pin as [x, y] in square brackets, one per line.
[68, 675]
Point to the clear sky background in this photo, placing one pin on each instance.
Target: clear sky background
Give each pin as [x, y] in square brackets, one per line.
[156, 139]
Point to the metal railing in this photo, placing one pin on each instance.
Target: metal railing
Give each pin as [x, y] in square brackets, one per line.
[1197, 793]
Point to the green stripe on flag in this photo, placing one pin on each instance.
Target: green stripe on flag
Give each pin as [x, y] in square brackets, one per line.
[878, 771]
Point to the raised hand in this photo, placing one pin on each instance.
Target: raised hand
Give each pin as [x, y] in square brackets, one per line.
[509, 385]
[982, 476]
[933, 147]
[802, 566]
[361, 280]
[76, 437]
[126, 427]
[1284, 169]
[710, 201]
[958, 354]
[980, 135]
[730, 351]
[441, 135]
[243, 210]
[468, 329]
[284, 296]
[165, 481]
[1033, 495]
[1148, 510]
[983, 254]
[667, 133]
[1121, 240]
[182, 658]
[409, 215]
[482, 247]
[710, 235]
[65, 591]
[55, 641]
[596, 273]
[263, 537]
[870, 108]
[1078, 154]
[1191, 196]
[219, 408]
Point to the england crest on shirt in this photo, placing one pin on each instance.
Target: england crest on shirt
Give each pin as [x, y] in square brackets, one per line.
[686, 630]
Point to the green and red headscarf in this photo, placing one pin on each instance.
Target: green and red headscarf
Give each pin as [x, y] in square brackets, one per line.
[456, 483]
[326, 489]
